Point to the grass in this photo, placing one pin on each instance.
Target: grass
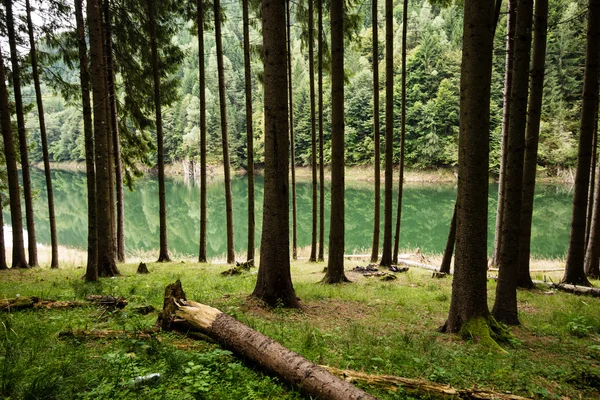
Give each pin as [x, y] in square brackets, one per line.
[369, 325]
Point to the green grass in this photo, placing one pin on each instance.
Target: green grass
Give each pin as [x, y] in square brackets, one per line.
[369, 325]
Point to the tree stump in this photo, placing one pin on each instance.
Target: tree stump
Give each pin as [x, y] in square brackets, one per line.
[143, 268]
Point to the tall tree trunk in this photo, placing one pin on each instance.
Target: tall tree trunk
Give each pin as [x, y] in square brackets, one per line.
[40, 107]
[292, 149]
[274, 281]
[313, 130]
[505, 305]
[106, 257]
[3, 265]
[449, 250]
[335, 265]
[386, 256]
[321, 256]
[574, 271]
[225, 134]
[249, 134]
[376, 136]
[201, 71]
[91, 272]
[18, 249]
[591, 190]
[163, 255]
[534, 114]
[508, 74]
[402, 135]
[592, 254]
[16, 78]
[115, 141]
[469, 294]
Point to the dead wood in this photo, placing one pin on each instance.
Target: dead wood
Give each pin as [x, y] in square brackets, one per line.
[143, 268]
[436, 390]
[311, 379]
[108, 302]
[105, 334]
[239, 268]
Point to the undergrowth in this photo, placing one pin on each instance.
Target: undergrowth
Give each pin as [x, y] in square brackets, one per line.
[369, 325]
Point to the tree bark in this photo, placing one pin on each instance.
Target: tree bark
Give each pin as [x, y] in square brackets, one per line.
[376, 136]
[534, 114]
[321, 255]
[91, 272]
[402, 134]
[249, 134]
[18, 249]
[510, 37]
[16, 78]
[313, 380]
[115, 141]
[591, 190]
[224, 134]
[505, 305]
[202, 82]
[469, 294]
[163, 255]
[40, 107]
[386, 255]
[313, 130]
[449, 250]
[3, 264]
[292, 149]
[274, 281]
[574, 271]
[592, 254]
[335, 264]
[106, 257]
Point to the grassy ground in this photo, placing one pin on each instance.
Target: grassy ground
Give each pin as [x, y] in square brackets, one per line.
[369, 325]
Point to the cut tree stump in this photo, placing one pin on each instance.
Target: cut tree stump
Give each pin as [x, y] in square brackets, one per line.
[143, 268]
[419, 386]
[311, 379]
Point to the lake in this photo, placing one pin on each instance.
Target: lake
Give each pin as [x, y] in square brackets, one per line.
[426, 215]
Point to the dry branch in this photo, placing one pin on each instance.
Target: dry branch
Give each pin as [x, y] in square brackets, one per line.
[436, 390]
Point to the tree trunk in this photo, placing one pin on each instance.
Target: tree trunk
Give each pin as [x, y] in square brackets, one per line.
[292, 149]
[335, 265]
[592, 254]
[16, 78]
[115, 141]
[313, 130]
[376, 135]
[163, 255]
[106, 257]
[91, 273]
[40, 107]
[403, 133]
[321, 256]
[18, 249]
[314, 381]
[508, 74]
[3, 265]
[574, 271]
[447, 260]
[386, 255]
[201, 71]
[274, 281]
[249, 134]
[225, 134]
[534, 114]
[505, 305]
[591, 190]
[469, 294]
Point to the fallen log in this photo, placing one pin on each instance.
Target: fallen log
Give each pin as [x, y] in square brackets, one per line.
[564, 287]
[312, 379]
[104, 334]
[33, 302]
[432, 389]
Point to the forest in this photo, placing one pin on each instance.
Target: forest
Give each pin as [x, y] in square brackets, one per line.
[491, 90]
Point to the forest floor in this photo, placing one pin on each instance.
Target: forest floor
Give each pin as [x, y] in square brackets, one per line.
[370, 325]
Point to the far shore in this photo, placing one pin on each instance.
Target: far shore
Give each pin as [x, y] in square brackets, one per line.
[357, 173]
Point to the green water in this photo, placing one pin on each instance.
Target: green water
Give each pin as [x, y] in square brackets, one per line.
[425, 218]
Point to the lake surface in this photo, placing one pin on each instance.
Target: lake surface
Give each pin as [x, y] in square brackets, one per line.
[426, 215]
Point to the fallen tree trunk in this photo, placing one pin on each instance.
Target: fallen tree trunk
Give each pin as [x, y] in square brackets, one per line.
[312, 379]
[419, 386]
[32, 302]
[105, 334]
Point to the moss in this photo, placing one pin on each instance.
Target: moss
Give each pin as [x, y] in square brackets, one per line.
[486, 331]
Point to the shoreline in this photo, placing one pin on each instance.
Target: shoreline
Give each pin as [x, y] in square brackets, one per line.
[357, 173]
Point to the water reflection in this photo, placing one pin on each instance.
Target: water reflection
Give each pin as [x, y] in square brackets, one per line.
[425, 217]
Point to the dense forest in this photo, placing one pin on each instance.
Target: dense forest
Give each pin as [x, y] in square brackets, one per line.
[433, 74]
